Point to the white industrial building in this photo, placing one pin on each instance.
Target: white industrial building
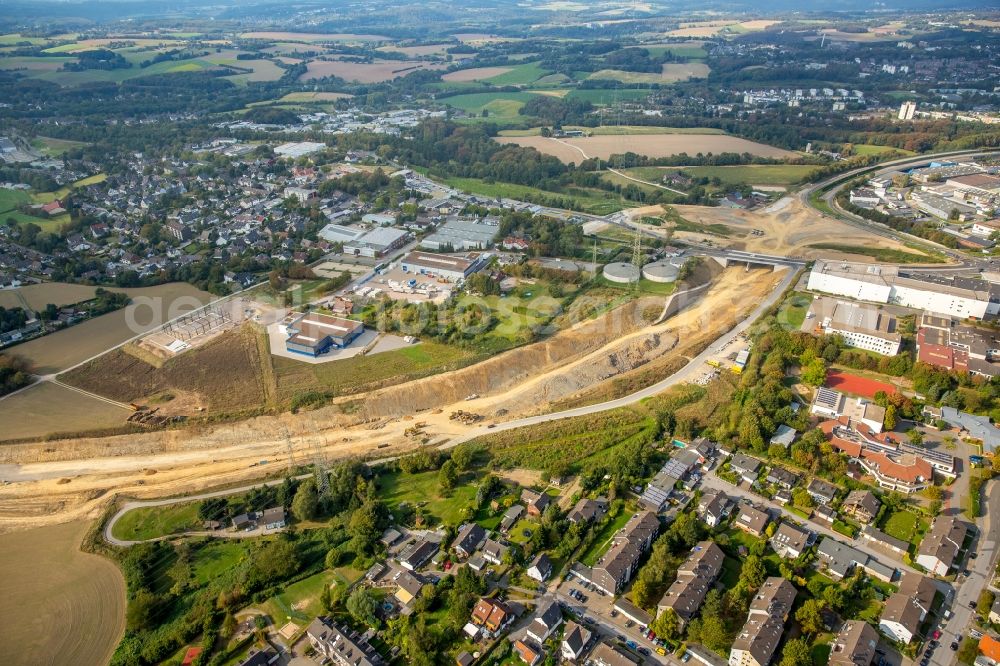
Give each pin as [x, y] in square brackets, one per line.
[860, 325]
[444, 266]
[941, 294]
[377, 242]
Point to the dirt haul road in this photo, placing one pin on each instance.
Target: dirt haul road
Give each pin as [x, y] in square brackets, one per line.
[55, 482]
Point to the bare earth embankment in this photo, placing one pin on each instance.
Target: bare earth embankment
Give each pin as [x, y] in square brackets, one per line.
[71, 479]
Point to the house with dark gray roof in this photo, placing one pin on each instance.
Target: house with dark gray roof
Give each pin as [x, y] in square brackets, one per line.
[470, 537]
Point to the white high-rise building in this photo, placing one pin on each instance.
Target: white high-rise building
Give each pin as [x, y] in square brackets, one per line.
[906, 110]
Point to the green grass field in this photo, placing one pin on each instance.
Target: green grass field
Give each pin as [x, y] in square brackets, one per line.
[881, 254]
[13, 39]
[216, 557]
[793, 311]
[499, 106]
[761, 174]
[520, 75]
[46, 197]
[605, 96]
[905, 525]
[55, 147]
[11, 199]
[869, 149]
[352, 375]
[155, 521]
[645, 286]
[597, 202]
[602, 540]
[301, 601]
[424, 489]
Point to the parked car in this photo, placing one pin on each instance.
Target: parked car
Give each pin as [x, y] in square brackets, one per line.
[620, 638]
[644, 651]
[686, 658]
[954, 646]
[631, 644]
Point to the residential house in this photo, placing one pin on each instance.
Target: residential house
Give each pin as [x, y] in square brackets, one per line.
[528, 652]
[713, 507]
[825, 514]
[491, 614]
[510, 517]
[340, 645]
[535, 501]
[417, 554]
[839, 560]
[821, 491]
[470, 537]
[540, 568]
[940, 546]
[695, 578]
[751, 520]
[855, 645]
[783, 436]
[273, 518]
[758, 640]
[575, 640]
[546, 621]
[994, 616]
[906, 609]
[494, 551]
[588, 510]
[745, 467]
[606, 654]
[881, 540]
[863, 505]
[408, 587]
[789, 541]
[781, 477]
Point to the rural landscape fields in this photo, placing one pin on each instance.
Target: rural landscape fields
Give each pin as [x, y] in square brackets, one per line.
[573, 149]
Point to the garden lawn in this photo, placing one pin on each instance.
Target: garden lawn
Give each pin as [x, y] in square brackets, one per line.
[301, 601]
[216, 557]
[423, 489]
[602, 540]
[156, 521]
[905, 525]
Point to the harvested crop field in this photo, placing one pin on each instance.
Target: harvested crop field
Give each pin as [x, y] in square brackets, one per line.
[375, 72]
[420, 51]
[314, 97]
[651, 145]
[672, 72]
[475, 74]
[228, 374]
[60, 605]
[314, 37]
[47, 409]
[150, 307]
